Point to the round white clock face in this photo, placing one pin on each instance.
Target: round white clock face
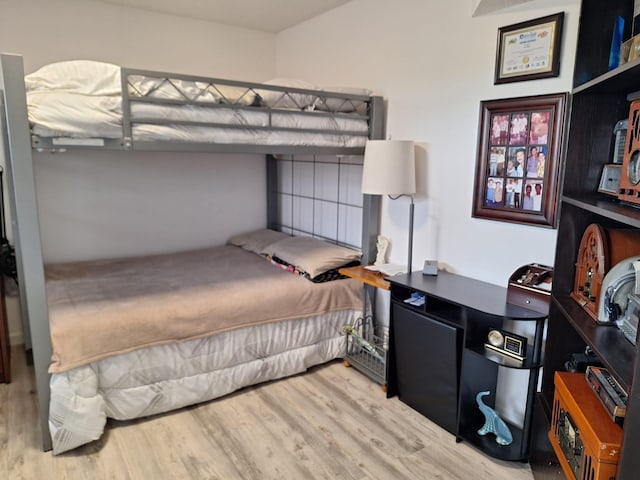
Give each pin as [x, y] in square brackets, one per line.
[633, 169]
[495, 338]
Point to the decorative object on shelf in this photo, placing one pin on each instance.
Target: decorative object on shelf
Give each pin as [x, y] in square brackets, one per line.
[616, 43]
[628, 324]
[507, 343]
[618, 284]
[599, 249]
[530, 287]
[629, 188]
[610, 179]
[625, 50]
[430, 267]
[390, 169]
[634, 48]
[492, 422]
[620, 133]
[382, 245]
[529, 50]
[518, 163]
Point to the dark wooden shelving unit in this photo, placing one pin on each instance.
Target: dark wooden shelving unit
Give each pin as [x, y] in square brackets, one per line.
[599, 101]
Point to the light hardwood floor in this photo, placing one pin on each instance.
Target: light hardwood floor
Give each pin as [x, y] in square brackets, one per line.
[329, 423]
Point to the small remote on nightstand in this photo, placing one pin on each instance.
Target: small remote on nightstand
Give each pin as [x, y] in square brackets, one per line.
[430, 267]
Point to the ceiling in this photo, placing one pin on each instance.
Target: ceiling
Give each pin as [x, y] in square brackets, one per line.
[269, 15]
[484, 7]
[265, 15]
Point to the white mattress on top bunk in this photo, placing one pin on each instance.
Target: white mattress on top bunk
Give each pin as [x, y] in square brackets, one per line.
[62, 104]
[66, 115]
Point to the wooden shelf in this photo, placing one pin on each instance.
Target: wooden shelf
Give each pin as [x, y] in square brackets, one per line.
[615, 82]
[487, 444]
[376, 279]
[599, 101]
[505, 360]
[608, 207]
[607, 342]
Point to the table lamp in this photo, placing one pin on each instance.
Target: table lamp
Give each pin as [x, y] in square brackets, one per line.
[390, 169]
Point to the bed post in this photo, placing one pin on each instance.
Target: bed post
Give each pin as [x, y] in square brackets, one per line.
[371, 203]
[272, 192]
[26, 228]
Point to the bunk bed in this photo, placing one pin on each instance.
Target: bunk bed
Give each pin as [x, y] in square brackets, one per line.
[137, 110]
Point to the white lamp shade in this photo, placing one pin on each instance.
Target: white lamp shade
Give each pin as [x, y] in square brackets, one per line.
[389, 167]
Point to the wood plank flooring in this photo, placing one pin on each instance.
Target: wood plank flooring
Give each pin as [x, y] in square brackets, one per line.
[329, 423]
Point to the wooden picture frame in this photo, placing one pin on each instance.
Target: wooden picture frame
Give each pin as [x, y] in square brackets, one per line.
[518, 161]
[529, 50]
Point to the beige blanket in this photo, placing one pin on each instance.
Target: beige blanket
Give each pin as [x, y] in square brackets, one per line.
[103, 308]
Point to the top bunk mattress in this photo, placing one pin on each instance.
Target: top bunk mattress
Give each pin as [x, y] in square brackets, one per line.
[80, 103]
[117, 306]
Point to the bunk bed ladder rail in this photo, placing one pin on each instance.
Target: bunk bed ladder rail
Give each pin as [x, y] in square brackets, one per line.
[26, 229]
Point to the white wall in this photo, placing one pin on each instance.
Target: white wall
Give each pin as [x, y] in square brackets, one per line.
[433, 62]
[116, 204]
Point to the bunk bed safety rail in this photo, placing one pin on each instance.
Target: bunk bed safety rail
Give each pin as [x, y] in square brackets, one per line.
[157, 98]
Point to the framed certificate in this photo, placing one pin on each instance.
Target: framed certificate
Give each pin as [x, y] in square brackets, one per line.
[529, 50]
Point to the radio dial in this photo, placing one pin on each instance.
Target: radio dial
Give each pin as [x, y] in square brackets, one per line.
[633, 169]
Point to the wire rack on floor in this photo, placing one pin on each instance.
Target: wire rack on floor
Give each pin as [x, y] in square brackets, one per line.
[367, 350]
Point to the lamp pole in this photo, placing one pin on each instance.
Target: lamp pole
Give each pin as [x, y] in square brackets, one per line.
[411, 209]
[410, 261]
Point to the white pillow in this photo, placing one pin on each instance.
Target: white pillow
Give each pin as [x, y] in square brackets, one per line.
[77, 76]
[74, 115]
[328, 103]
[312, 255]
[276, 99]
[257, 240]
[176, 89]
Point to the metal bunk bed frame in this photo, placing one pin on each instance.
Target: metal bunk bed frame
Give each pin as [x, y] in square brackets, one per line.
[18, 144]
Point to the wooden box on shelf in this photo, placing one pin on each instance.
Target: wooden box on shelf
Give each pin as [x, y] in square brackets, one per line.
[530, 287]
[586, 440]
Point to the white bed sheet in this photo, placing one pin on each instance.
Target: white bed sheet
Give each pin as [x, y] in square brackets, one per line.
[72, 115]
[165, 377]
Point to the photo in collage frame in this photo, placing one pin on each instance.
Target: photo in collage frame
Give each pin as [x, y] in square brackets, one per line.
[517, 160]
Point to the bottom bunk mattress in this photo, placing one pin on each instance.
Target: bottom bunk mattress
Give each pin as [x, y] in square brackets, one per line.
[136, 337]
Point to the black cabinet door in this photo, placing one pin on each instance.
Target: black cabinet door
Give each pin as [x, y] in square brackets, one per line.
[427, 354]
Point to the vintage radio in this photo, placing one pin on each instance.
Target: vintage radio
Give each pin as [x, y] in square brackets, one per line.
[629, 187]
[619, 282]
[599, 249]
[585, 439]
[609, 392]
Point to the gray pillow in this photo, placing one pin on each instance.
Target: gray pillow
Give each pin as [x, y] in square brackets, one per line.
[257, 240]
[312, 255]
